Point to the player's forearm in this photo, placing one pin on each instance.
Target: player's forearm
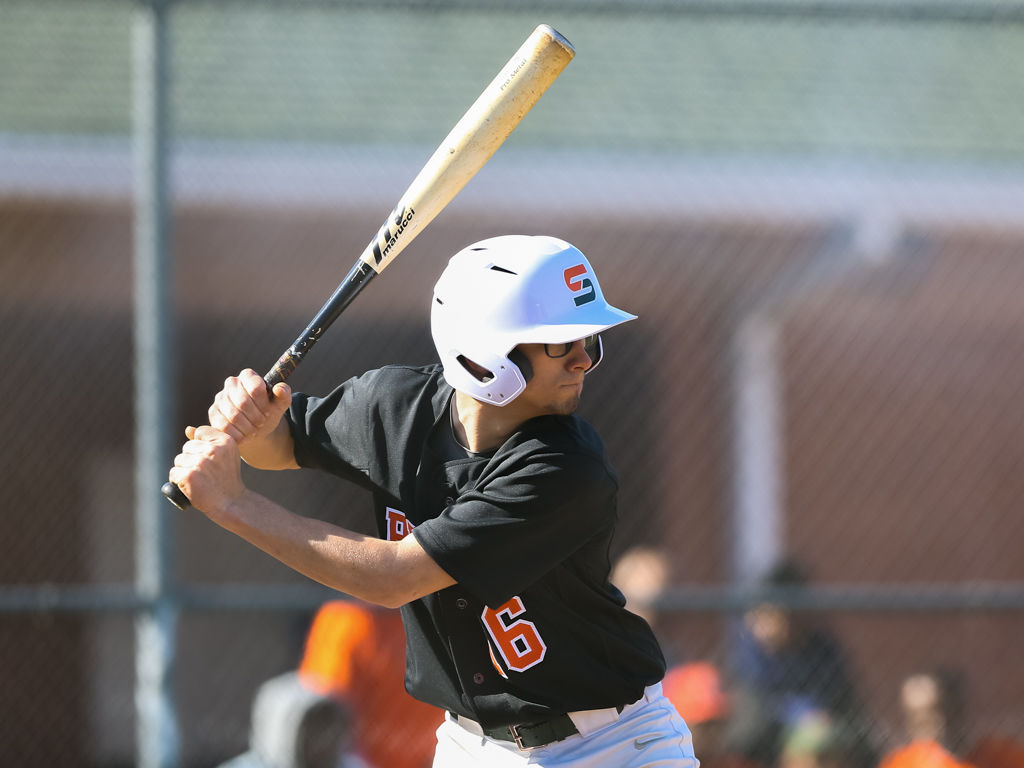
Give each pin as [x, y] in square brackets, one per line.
[274, 451]
[377, 571]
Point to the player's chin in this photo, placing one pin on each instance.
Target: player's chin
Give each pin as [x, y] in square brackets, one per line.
[570, 402]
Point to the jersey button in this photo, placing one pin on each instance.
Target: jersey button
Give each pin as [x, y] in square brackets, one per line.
[461, 603]
[449, 501]
[478, 678]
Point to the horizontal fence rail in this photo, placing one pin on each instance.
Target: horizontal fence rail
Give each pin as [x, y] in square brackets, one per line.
[956, 596]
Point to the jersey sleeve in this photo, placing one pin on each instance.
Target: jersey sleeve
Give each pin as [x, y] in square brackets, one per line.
[330, 433]
[501, 537]
[370, 428]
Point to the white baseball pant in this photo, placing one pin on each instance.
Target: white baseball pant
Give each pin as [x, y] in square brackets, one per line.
[647, 734]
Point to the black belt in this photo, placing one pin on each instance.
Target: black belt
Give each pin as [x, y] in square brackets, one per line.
[530, 735]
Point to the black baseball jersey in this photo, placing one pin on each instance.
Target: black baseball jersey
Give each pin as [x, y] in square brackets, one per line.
[533, 628]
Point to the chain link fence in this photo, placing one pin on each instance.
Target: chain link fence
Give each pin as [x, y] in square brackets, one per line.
[815, 208]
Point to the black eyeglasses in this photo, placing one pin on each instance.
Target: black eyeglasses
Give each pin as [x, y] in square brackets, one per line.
[591, 344]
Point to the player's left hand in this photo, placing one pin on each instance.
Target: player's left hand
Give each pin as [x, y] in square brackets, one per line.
[208, 470]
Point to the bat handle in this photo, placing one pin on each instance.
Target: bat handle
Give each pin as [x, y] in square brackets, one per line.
[282, 369]
[286, 364]
[175, 495]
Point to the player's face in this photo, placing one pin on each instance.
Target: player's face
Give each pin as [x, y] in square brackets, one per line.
[557, 382]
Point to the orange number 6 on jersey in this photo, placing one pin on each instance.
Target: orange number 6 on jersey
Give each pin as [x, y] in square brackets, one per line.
[517, 640]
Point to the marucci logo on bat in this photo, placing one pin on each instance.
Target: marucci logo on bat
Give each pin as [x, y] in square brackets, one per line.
[387, 236]
[583, 288]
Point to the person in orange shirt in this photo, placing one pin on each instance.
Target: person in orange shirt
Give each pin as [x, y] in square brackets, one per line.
[932, 708]
[923, 754]
[356, 652]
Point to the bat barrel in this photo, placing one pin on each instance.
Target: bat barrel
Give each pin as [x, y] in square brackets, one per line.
[473, 140]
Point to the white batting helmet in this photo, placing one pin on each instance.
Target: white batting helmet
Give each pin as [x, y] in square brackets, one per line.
[510, 290]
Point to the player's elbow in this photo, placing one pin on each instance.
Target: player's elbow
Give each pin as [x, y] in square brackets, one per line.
[391, 596]
[394, 573]
[412, 575]
[394, 600]
[405, 591]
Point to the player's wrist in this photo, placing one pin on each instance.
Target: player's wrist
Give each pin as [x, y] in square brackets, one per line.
[236, 511]
[275, 450]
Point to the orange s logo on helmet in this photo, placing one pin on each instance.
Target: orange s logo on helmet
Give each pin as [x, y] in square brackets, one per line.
[584, 288]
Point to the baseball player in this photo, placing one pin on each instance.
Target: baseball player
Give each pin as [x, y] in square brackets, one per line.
[495, 508]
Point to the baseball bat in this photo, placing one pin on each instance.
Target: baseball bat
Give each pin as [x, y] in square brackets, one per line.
[475, 138]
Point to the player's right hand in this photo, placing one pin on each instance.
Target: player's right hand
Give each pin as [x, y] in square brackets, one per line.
[244, 409]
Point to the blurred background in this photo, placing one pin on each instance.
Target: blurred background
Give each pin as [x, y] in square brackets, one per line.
[815, 207]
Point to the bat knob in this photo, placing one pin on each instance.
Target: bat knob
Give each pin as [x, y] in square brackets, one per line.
[175, 495]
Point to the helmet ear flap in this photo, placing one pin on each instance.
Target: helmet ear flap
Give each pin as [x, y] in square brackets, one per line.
[518, 357]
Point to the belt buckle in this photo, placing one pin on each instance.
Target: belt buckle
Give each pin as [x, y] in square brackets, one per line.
[514, 730]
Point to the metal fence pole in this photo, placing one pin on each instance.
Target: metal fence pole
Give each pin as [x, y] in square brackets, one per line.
[157, 739]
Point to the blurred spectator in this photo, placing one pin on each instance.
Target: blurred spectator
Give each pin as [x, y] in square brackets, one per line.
[932, 707]
[356, 652]
[642, 574]
[295, 727]
[786, 668]
[696, 690]
[816, 740]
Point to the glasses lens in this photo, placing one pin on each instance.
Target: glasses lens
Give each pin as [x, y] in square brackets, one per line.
[591, 344]
[558, 350]
[594, 349]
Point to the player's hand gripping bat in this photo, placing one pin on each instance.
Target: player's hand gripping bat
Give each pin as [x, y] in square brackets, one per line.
[478, 134]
